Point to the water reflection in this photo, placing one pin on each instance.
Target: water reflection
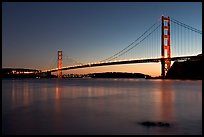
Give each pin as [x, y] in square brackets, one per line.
[13, 94]
[167, 110]
[83, 92]
[57, 113]
[21, 94]
[58, 91]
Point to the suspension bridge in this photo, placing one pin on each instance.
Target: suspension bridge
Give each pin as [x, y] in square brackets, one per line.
[165, 41]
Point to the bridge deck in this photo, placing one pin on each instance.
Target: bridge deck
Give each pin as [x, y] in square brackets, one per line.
[123, 62]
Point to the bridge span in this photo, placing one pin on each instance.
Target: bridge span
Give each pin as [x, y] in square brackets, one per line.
[155, 60]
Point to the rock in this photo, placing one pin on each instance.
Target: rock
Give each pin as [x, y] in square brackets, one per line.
[153, 124]
[147, 123]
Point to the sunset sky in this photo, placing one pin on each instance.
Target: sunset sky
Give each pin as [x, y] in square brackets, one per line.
[87, 32]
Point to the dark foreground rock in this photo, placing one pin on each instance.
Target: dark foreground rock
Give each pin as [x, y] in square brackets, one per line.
[155, 124]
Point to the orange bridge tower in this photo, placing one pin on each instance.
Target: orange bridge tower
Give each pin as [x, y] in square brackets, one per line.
[59, 64]
[165, 46]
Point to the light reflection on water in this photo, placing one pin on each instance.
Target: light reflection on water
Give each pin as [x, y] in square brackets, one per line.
[100, 106]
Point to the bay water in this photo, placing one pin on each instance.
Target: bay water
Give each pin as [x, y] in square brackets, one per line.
[101, 106]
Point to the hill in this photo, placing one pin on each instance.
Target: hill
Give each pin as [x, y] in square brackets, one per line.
[190, 69]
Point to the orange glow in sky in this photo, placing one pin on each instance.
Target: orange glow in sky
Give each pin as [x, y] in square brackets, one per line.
[152, 69]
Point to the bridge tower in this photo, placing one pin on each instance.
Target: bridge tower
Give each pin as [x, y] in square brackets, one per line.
[59, 64]
[165, 46]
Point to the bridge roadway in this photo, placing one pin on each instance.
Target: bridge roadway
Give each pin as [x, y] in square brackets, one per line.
[122, 62]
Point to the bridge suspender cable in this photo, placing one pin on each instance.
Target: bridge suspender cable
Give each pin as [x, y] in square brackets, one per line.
[122, 53]
[67, 58]
[186, 26]
[113, 56]
[137, 43]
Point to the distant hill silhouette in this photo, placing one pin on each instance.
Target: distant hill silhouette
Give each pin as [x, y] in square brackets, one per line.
[117, 75]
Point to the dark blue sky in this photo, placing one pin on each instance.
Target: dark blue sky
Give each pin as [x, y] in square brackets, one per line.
[33, 32]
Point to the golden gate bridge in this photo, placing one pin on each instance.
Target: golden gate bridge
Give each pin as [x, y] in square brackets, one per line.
[165, 41]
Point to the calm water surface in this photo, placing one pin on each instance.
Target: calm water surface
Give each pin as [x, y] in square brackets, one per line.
[100, 106]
